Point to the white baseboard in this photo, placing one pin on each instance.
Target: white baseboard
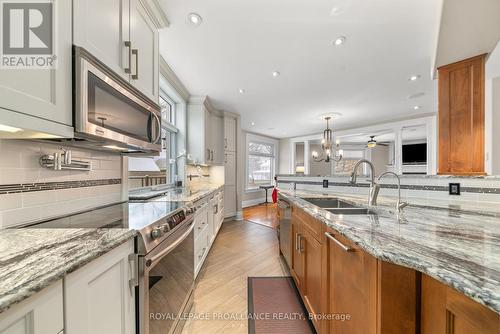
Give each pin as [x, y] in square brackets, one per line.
[252, 202]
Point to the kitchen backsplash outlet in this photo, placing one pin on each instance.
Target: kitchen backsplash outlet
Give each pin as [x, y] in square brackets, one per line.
[29, 192]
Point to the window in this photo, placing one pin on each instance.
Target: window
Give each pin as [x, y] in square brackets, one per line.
[260, 163]
[153, 171]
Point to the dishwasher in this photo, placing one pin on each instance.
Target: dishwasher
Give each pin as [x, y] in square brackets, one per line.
[284, 230]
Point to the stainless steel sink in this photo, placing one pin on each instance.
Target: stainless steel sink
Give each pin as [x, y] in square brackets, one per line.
[329, 203]
[351, 211]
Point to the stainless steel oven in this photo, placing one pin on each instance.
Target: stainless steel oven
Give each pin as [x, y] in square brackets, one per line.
[167, 282]
[109, 111]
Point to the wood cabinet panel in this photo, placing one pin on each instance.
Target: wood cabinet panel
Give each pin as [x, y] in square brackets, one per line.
[445, 310]
[312, 283]
[351, 286]
[461, 117]
[297, 269]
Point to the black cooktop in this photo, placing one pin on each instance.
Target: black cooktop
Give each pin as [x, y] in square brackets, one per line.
[123, 215]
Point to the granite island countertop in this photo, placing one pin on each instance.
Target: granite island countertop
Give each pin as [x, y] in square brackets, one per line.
[32, 259]
[461, 250]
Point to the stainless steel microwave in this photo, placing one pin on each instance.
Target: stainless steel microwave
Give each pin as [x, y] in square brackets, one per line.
[109, 112]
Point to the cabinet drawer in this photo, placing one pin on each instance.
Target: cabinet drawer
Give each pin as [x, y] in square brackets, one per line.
[200, 221]
[314, 226]
[200, 248]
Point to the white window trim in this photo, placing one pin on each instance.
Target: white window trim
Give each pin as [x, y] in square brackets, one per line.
[251, 137]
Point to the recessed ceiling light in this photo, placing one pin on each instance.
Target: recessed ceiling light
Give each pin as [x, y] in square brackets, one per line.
[195, 19]
[414, 77]
[276, 74]
[252, 123]
[242, 91]
[416, 107]
[339, 41]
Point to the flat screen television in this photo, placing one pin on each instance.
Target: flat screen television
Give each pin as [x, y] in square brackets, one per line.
[415, 154]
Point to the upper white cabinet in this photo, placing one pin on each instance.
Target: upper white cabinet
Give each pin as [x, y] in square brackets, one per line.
[205, 132]
[229, 134]
[40, 314]
[144, 36]
[123, 34]
[102, 27]
[99, 298]
[40, 100]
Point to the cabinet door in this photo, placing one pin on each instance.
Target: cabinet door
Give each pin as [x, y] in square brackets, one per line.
[145, 47]
[217, 145]
[98, 297]
[461, 117]
[351, 285]
[312, 284]
[297, 269]
[43, 93]
[445, 310]
[230, 168]
[102, 28]
[230, 134]
[40, 314]
[229, 200]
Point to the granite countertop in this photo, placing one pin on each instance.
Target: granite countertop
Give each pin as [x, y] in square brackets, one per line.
[461, 250]
[32, 259]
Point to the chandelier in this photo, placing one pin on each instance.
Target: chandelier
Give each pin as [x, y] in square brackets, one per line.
[327, 146]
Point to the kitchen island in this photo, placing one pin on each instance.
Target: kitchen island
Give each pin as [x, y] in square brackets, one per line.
[435, 248]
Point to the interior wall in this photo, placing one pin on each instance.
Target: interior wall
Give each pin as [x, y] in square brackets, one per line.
[29, 192]
[380, 158]
[495, 153]
[284, 156]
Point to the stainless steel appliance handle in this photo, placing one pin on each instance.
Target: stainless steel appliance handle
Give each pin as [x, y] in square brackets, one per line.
[299, 244]
[341, 245]
[128, 44]
[133, 259]
[170, 248]
[158, 120]
[136, 53]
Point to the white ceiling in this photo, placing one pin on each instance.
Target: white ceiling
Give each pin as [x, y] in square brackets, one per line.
[240, 43]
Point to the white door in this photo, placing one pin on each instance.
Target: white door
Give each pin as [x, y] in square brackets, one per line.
[229, 201]
[230, 168]
[230, 134]
[102, 28]
[145, 41]
[43, 93]
[98, 297]
[40, 314]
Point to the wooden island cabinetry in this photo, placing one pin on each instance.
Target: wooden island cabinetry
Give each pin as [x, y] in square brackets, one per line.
[336, 278]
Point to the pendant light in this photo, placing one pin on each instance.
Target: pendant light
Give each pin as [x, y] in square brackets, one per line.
[327, 146]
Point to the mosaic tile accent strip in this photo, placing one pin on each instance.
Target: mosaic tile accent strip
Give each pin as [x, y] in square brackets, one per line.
[477, 190]
[43, 186]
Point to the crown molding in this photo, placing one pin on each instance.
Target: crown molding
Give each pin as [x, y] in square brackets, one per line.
[172, 78]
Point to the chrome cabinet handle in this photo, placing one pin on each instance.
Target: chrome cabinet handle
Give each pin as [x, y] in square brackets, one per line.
[136, 53]
[128, 45]
[341, 245]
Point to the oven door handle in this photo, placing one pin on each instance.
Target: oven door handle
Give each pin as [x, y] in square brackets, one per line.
[170, 248]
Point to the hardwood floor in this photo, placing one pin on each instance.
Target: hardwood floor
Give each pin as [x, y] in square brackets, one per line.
[263, 214]
[242, 249]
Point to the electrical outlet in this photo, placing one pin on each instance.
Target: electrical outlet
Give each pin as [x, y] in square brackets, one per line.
[454, 189]
[325, 183]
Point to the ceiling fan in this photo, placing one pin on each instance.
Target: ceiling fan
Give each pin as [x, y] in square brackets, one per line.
[372, 143]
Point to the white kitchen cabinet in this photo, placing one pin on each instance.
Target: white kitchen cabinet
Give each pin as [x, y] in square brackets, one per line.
[39, 314]
[98, 296]
[102, 28]
[229, 134]
[145, 38]
[229, 201]
[230, 168]
[123, 34]
[40, 100]
[204, 127]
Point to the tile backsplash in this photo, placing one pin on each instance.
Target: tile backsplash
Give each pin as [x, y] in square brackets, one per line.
[29, 192]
